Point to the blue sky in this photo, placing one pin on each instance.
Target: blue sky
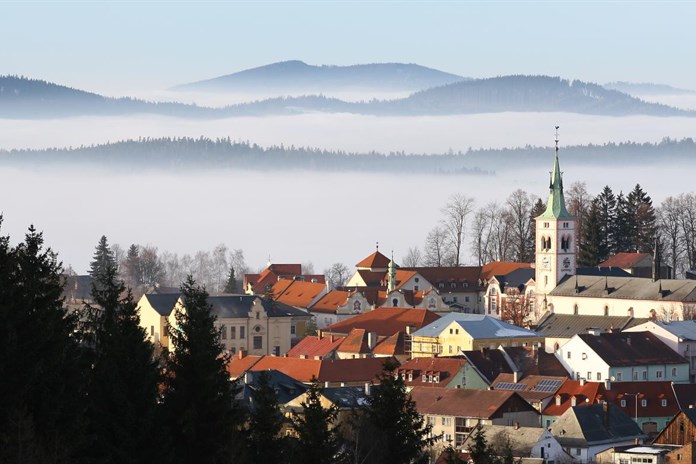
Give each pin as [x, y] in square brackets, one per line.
[122, 46]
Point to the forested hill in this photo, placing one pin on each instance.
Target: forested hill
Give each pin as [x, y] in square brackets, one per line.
[634, 88]
[26, 98]
[293, 76]
[166, 154]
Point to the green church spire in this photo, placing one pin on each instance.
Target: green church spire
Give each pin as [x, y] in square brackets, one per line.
[555, 206]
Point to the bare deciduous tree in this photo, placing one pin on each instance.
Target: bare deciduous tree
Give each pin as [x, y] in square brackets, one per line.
[413, 258]
[337, 275]
[578, 201]
[519, 208]
[456, 211]
[436, 248]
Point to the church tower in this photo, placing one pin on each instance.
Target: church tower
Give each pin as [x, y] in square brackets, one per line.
[555, 236]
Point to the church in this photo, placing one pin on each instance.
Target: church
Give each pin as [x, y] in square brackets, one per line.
[561, 287]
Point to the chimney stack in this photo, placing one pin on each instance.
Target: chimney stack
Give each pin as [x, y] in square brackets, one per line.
[515, 377]
[368, 389]
[605, 408]
[371, 339]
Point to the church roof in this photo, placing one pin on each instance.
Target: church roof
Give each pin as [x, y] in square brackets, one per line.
[627, 288]
[555, 205]
[375, 261]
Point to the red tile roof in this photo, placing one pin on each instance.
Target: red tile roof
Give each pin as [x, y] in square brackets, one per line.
[584, 394]
[311, 346]
[385, 321]
[447, 275]
[624, 260]
[275, 272]
[444, 368]
[296, 292]
[652, 392]
[461, 402]
[330, 302]
[501, 268]
[355, 342]
[241, 363]
[391, 346]
[375, 260]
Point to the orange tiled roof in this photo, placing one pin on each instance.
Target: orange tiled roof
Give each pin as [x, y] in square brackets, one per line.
[584, 394]
[312, 346]
[501, 268]
[375, 260]
[239, 365]
[460, 402]
[385, 321]
[355, 342]
[444, 368]
[330, 302]
[624, 260]
[391, 346]
[297, 293]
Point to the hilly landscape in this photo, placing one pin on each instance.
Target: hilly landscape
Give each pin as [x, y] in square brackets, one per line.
[647, 89]
[293, 76]
[28, 98]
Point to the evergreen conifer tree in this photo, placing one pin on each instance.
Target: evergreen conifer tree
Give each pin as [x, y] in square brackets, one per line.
[132, 272]
[393, 430]
[231, 286]
[606, 203]
[624, 226]
[265, 423]
[591, 241]
[102, 261]
[481, 452]
[318, 440]
[41, 386]
[644, 219]
[123, 382]
[199, 398]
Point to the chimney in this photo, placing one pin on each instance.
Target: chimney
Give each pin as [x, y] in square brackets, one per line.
[515, 377]
[320, 334]
[303, 356]
[558, 400]
[582, 381]
[368, 389]
[317, 358]
[605, 408]
[241, 354]
[326, 384]
[371, 339]
[573, 401]
[248, 378]
[607, 384]
[517, 425]
[410, 329]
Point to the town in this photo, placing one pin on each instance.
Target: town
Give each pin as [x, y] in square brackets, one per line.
[559, 360]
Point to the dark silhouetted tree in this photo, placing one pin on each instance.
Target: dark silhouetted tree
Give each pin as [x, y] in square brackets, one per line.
[263, 439]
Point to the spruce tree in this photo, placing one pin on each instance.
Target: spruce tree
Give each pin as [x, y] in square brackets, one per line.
[132, 272]
[265, 422]
[393, 430]
[624, 226]
[231, 286]
[318, 440]
[537, 210]
[606, 202]
[102, 261]
[591, 242]
[41, 386]
[123, 387]
[199, 405]
[644, 220]
[481, 452]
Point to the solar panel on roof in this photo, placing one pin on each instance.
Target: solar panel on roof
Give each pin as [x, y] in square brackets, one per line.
[510, 386]
[547, 386]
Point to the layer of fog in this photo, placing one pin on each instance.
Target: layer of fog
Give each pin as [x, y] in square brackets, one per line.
[685, 102]
[318, 217]
[429, 134]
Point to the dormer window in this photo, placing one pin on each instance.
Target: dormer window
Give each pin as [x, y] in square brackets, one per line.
[643, 403]
[623, 403]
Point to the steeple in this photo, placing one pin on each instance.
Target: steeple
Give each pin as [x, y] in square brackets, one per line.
[391, 283]
[555, 205]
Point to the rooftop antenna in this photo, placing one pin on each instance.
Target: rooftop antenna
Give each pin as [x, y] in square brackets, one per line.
[377, 246]
[556, 139]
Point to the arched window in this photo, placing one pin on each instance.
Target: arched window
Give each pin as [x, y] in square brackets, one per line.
[606, 310]
[575, 309]
[630, 311]
[395, 302]
[548, 243]
[543, 243]
[492, 301]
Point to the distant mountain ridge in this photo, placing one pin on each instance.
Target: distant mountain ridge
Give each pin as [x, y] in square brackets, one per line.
[295, 75]
[27, 98]
[647, 88]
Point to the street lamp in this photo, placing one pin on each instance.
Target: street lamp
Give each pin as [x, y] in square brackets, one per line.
[636, 396]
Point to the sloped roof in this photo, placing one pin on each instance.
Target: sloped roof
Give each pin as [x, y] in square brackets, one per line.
[297, 292]
[631, 349]
[312, 345]
[163, 303]
[584, 394]
[446, 369]
[685, 394]
[521, 439]
[479, 326]
[355, 342]
[375, 260]
[391, 346]
[554, 325]
[330, 302]
[652, 392]
[585, 425]
[626, 288]
[241, 363]
[286, 388]
[448, 275]
[333, 370]
[546, 385]
[602, 271]
[385, 321]
[534, 361]
[627, 260]
[488, 363]
[461, 402]
[238, 306]
[501, 268]
[517, 278]
[347, 397]
[555, 204]
[685, 330]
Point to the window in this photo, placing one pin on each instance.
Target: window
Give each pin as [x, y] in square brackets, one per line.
[577, 451]
[589, 375]
[599, 376]
[415, 288]
[584, 356]
[233, 350]
[658, 374]
[451, 331]
[635, 375]
[664, 403]
[450, 348]
[645, 375]
[623, 403]
[619, 376]
[446, 421]
[258, 342]
[258, 315]
[575, 310]
[456, 331]
[276, 350]
[152, 330]
[466, 299]
[546, 225]
[448, 437]
[417, 279]
[674, 372]
[565, 225]
[233, 333]
[223, 332]
[453, 285]
[241, 333]
[441, 285]
[643, 403]
[568, 356]
[606, 310]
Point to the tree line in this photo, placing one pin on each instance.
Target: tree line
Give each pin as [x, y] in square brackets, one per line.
[87, 387]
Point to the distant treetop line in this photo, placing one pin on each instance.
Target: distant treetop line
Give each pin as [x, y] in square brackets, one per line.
[204, 153]
[29, 98]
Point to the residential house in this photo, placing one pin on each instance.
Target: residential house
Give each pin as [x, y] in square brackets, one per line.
[338, 305]
[649, 454]
[155, 312]
[685, 394]
[286, 388]
[622, 357]
[651, 404]
[584, 431]
[508, 281]
[434, 372]
[263, 282]
[455, 412]
[252, 324]
[457, 332]
[680, 336]
[524, 442]
[298, 293]
[537, 390]
[572, 393]
[316, 347]
[557, 329]
[460, 287]
[681, 430]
